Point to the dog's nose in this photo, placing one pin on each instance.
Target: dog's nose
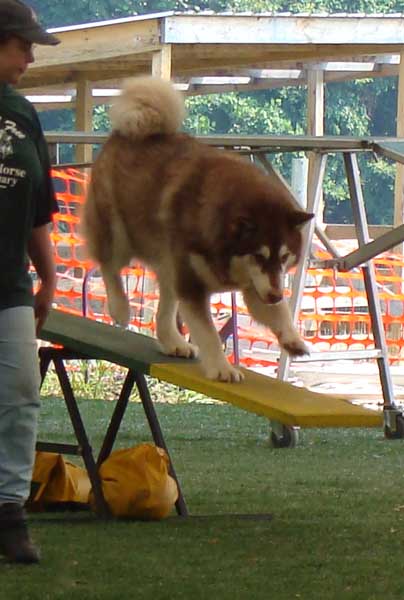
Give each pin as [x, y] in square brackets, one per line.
[274, 298]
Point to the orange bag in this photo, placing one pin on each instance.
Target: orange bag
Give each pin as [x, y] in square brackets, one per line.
[56, 480]
[136, 483]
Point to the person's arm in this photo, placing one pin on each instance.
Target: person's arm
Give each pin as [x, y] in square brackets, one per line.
[40, 251]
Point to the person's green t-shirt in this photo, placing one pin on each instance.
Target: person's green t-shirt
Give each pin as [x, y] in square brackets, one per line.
[27, 198]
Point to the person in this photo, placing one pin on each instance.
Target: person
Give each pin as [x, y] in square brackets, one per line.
[27, 203]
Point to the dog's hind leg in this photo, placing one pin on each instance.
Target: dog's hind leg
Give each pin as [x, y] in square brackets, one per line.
[171, 340]
[278, 318]
[118, 304]
[196, 314]
[116, 255]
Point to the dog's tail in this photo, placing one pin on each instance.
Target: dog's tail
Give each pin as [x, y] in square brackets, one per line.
[147, 106]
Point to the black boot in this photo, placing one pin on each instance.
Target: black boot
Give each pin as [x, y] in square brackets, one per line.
[15, 542]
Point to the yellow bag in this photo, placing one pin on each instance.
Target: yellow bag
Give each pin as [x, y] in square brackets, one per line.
[56, 480]
[136, 483]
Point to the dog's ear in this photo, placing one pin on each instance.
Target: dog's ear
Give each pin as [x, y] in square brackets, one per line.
[298, 218]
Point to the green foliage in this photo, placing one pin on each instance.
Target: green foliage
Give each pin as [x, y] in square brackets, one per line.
[102, 380]
[62, 14]
[361, 108]
[59, 120]
[316, 6]
[242, 114]
[266, 112]
[58, 14]
[101, 121]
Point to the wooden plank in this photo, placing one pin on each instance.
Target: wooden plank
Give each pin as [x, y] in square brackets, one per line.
[399, 180]
[283, 29]
[106, 342]
[161, 63]
[84, 118]
[99, 43]
[315, 127]
[204, 59]
[262, 395]
[315, 102]
[271, 398]
[187, 60]
[286, 54]
[94, 70]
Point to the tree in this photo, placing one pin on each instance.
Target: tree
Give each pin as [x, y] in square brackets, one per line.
[59, 14]
[315, 6]
[62, 14]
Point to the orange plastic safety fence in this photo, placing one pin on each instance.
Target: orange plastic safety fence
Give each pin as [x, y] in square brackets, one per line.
[334, 313]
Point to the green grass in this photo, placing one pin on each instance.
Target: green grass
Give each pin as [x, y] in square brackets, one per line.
[337, 530]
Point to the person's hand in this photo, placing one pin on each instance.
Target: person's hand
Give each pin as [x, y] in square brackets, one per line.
[42, 304]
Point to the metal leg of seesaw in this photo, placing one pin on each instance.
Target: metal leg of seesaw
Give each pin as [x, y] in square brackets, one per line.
[132, 378]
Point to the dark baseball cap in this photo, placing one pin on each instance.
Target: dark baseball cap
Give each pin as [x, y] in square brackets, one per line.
[19, 19]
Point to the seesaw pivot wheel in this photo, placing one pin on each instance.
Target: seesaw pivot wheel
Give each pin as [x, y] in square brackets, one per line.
[284, 437]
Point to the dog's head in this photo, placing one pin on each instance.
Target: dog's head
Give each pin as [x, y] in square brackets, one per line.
[263, 246]
[249, 228]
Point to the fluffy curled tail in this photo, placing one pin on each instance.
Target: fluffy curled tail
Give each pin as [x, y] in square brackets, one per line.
[147, 106]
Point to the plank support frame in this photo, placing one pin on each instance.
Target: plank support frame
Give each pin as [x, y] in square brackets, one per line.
[48, 354]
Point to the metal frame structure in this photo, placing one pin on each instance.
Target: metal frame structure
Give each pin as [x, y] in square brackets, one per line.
[48, 354]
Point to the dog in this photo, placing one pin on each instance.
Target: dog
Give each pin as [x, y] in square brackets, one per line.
[204, 220]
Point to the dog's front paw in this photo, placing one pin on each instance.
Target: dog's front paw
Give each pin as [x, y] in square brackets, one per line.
[180, 347]
[294, 345]
[223, 371]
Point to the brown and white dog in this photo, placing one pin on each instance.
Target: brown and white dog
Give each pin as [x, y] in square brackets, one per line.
[205, 220]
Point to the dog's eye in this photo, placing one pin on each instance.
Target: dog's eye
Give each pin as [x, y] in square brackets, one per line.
[285, 258]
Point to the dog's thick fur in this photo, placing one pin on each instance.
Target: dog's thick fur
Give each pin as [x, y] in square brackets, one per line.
[205, 220]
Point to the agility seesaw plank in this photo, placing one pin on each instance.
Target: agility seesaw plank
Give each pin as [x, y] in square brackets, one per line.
[266, 396]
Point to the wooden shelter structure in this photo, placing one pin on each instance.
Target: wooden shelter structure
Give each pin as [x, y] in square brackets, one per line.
[209, 52]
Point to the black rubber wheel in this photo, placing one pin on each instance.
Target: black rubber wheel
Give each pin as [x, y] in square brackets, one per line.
[289, 438]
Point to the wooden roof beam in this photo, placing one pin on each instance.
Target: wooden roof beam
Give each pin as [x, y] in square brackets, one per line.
[283, 29]
[99, 44]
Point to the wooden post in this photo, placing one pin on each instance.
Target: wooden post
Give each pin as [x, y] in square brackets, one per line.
[399, 184]
[315, 102]
[161, 67]
[315, 123]
[84, 118]
[161, 63]
[398, 218]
